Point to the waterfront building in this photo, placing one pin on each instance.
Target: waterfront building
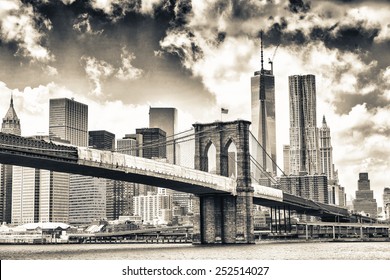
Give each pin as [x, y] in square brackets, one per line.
[11, 125]
[87, 200]
[365, 201]
[39, 195]
[386, 202]
[304, 146]
[154, 208]
[263, 118]
[31, 196]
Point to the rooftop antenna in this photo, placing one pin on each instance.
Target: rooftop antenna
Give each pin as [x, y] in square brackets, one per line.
[261, 44]
[271, 61]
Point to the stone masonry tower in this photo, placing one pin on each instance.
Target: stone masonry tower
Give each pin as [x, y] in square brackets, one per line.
[224, 218]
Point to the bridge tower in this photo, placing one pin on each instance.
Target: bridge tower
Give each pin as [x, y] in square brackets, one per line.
[224, 218]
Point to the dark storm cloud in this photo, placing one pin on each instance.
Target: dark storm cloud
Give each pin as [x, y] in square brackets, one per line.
[348, 38]
[278, 34]
[298, 6]
[346, 101]
[182, 11]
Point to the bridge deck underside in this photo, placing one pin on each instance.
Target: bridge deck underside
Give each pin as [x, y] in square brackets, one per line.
[114, 174]
[305, 206]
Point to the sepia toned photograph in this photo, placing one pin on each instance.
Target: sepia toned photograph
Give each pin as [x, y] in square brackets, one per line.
[195, 130]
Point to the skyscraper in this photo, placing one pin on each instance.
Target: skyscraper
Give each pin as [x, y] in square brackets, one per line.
[11, 125]
[68, 120]
[365, 201]
[304, 146]
[166, 120]
[263, 117]
[326, 152]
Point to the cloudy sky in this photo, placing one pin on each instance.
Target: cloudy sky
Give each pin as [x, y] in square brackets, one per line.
[122, 56]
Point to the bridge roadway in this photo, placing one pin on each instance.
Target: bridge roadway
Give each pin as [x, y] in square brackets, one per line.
[30, 152]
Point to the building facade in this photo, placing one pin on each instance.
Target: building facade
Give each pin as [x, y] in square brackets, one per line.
[166, 120]
[68, 121]
[153, 142]
[102, 140]
[87, 200]
[10, 125]
[286, 159]
[364, 201]
[154, 208]
[336, 195]
[31, 196]
[304, 146]
[131, 145]
[313, 187]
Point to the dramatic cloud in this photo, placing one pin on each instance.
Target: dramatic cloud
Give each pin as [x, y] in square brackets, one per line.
[116, 9]
[97, 70]
[82, 24]
[20, 25]
[127, 71]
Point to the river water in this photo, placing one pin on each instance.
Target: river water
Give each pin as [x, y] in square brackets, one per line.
[259, 251]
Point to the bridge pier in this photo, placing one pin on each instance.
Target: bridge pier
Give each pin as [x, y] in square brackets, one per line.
[226, 219]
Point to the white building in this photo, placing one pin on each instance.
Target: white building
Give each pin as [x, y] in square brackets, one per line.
[154, 208]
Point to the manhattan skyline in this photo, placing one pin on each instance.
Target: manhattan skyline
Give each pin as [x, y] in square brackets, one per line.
[119, 58]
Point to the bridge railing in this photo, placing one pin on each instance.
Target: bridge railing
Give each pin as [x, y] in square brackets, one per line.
[128, 163]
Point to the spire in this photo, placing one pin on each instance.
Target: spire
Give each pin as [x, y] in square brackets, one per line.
[261, 44]
[11, 122]
[323, 121]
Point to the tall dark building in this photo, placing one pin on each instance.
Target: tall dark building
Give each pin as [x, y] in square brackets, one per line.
[102, 140]
[365, 201]
[153, 142]
[11, 125]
